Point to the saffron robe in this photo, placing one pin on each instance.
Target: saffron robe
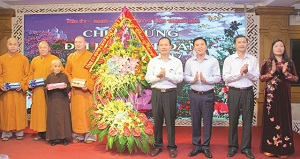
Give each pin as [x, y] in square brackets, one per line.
[13, 103]
[58, 108]
[81, 101]
[277, 132]
[39, 68]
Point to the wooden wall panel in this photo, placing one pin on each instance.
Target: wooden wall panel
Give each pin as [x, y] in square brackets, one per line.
[5, 27]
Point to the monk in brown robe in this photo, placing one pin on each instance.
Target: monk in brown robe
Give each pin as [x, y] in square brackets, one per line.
[14, 67]
[58, 106]
[81, 98]
[40, 68]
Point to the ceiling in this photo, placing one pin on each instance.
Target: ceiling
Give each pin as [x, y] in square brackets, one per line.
[12, 3]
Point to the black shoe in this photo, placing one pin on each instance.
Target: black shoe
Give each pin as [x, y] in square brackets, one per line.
[248, 154]
[172, 153]
[65, 142]
[194, 152]
[53, 143]
[155, 152]
[207, 153]
[231, 152]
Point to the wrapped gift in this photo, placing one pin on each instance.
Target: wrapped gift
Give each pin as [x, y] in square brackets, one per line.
[11, 85]
[77, 82]
[37, 82]
[56, 86]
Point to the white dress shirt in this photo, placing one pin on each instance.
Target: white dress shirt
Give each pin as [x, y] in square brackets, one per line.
[232, 67]
[173, 68]
[210, 69]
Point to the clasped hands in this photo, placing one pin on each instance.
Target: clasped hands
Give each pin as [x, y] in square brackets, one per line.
[274, 68]
[162, 73]
[199, 76]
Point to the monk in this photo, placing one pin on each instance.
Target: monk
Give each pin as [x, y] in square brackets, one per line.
[40, 67]
[14, 67]
[81, 98]
[58, 106]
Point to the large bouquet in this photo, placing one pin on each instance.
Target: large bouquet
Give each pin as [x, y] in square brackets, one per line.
[123, 126]
[119, 65]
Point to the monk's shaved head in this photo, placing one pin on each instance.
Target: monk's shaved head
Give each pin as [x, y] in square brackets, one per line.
[12, 40]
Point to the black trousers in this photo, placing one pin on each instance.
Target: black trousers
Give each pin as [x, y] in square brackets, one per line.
[240, 102]
[164, 108]
[202, 106]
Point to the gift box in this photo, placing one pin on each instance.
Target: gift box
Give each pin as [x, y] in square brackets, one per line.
[56, 86]
[11, 85]
[37, 82]
[77, 82]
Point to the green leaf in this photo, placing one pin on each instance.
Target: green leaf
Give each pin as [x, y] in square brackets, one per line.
[145, 146]
[102, 134]
[130, 143]
[122, 140]
[119, 146]
[110, 141]
[132, 87]
[151, 140]
[137, 142]
[144, 135]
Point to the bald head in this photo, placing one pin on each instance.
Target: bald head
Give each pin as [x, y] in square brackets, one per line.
[56, 62]
[44, 48]
[80, 43]
[12, 40]
[12, 45]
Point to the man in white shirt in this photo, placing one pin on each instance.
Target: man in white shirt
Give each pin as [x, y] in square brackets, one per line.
[240, 71]
[164, 72]
[202, 72]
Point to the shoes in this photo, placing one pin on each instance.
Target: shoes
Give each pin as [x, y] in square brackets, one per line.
[53, 143]
[20, 137]
[76, 140]
[65, 142]
[207, 153]
[231, 152]
[172, 153]
[248, 154]
[194, 152]
[267, 154]
[37, 138]
[285, 156]
[89, 141]
[155, 152]
[5, 138]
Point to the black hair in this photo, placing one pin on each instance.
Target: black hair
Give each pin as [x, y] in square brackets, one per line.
[164, 38]
[239, 36]
[285, 57]
[199, 38]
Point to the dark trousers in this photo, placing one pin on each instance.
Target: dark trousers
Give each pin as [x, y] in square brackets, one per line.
[202, 106]
[164, 107]
[240, 102]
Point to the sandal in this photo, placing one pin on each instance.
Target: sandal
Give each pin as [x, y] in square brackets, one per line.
[38, 138]
[20, 137]
[5, 138]
[267, 154]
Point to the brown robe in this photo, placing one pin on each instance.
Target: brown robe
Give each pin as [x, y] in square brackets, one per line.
[39, 68]
[81, 101]
[58, 108]
[13, 103]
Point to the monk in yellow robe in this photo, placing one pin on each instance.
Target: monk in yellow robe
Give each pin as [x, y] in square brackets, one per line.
[14, 67]
[40, 67]
[81, 98]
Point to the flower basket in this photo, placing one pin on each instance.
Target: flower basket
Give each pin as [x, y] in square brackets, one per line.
[118, 66]
[123, 126]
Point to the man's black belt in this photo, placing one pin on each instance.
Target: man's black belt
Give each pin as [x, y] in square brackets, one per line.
[203, 92]
[241, 89]
[164, 90]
